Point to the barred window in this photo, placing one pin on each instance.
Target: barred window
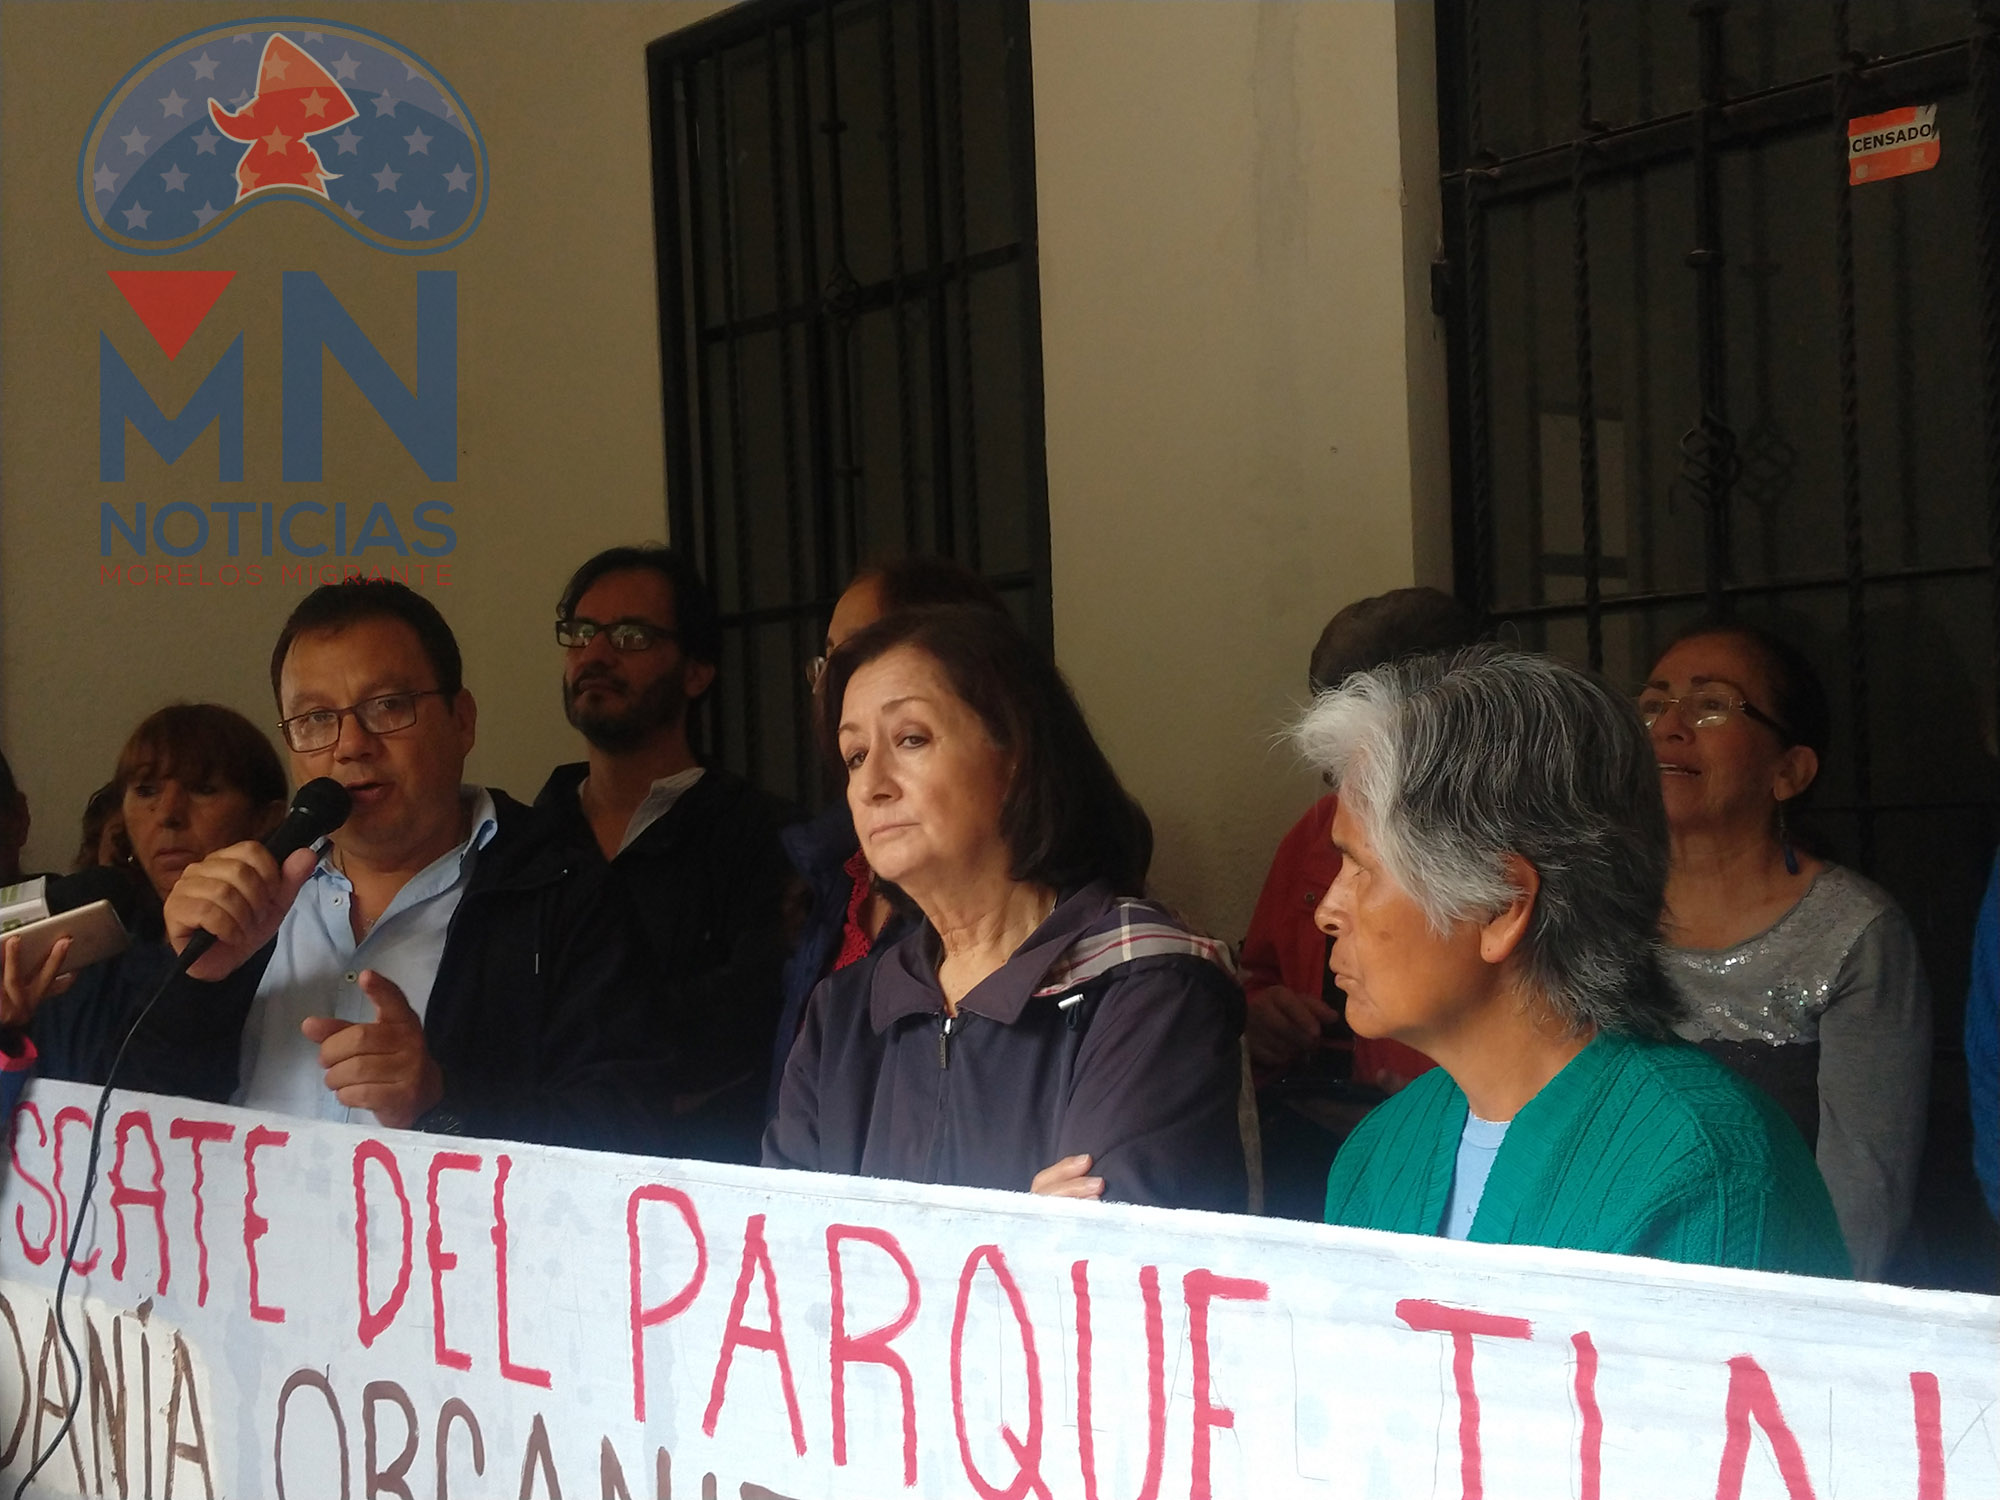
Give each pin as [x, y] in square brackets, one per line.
[850, 324]
[1701, 361]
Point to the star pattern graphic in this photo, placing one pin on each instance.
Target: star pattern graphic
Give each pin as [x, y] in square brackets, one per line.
[414, 146]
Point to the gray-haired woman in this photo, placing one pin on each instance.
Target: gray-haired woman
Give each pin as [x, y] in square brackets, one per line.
[1504, 855]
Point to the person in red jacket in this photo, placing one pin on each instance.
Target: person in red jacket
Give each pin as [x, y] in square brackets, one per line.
[1314, 1077]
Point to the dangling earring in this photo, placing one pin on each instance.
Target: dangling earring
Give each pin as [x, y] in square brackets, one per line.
[1785, 844]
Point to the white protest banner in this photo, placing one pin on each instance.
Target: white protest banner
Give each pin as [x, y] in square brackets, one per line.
[271, 1307]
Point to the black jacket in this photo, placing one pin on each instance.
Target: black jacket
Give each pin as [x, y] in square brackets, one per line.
[537, 1017]
[819, 849]
[706, 882]
[76, 1033]
[1070, 1047]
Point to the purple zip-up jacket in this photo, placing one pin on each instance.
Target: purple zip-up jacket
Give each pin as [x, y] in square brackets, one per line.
[1112, 1031]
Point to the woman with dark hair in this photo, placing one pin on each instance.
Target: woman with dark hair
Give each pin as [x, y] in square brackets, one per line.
[841, 913]
[1798, 973]
[192, 779]
[1041, 1026]
[1503, 855]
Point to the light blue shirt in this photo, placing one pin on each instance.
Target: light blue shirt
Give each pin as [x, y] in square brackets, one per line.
[316, 966]
[1478, 1144]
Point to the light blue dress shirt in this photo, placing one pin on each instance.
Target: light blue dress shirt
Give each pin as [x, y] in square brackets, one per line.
[1478, 1144]
[315, 970]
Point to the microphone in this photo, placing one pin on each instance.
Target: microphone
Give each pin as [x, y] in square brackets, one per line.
[318, 807]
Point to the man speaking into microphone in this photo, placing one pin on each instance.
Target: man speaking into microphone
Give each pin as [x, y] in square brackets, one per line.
[438, 963]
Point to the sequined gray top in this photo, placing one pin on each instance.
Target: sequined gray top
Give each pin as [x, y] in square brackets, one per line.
[1775, 986]
[1841, 968]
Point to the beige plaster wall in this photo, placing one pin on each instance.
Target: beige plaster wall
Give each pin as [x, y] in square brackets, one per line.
[1244, 388]
[1227, 349]
[559, 399]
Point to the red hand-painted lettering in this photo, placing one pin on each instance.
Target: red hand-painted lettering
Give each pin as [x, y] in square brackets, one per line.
[1201, 1288]
[441, 1259]
[1027, 1451]
[1156, 1381]
[525, 1374]
[1590, 1442]
[756, 1258]
[1752, 1399]
[871, 1348]
[197, 1133]
[255, 1225]
[373, 1322]
[1462, 1323]
[37, 1254]
[642, 1316]
[124, 1196]
[1924, 1396]
[69, 1114]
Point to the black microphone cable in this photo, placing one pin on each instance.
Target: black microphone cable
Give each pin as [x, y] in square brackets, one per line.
[318, 807]
[69, 1348]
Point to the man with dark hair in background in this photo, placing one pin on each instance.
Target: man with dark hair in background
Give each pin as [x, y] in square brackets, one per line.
[1315, 1078]
[439, 962]
[694, 848]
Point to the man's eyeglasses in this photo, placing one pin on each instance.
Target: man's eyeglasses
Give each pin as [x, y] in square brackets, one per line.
[625, 635]
[320, 727]
[1707, 708]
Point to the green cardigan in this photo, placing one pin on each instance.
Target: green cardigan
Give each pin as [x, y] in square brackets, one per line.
[1636, 1147]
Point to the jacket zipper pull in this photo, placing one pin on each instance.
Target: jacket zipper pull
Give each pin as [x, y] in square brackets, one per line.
[944, 1042]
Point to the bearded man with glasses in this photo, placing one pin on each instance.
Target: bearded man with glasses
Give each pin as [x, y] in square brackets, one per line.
[439, 962]
[693, 848]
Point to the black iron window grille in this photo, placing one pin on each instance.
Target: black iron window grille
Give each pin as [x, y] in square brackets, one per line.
[1694, 369]
[850, 324]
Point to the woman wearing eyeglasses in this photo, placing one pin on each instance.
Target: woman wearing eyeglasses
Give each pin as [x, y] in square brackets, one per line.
[1797, 973]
